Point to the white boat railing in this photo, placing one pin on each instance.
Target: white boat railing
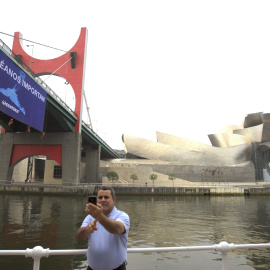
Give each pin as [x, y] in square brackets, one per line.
[39, 252]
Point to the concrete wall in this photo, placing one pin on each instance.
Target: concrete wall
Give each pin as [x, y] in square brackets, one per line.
[48, 175]
[6, 143]
[185, 174]
[71, 152]
[20, 171]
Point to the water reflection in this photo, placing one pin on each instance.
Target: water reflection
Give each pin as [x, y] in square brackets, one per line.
[52, 222]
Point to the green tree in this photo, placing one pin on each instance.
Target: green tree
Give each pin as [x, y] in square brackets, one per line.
[134, 177]
[112, 176]
[153, 177]
[172, 177]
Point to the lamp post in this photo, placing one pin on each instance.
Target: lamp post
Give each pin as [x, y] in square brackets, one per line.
[31, 54]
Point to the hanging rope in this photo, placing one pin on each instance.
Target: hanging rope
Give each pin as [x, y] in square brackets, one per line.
[57, 69]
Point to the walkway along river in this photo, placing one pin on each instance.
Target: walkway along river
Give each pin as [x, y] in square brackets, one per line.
[156, 221]
[261, 188]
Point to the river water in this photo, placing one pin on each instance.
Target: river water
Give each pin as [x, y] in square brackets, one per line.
[159, 221]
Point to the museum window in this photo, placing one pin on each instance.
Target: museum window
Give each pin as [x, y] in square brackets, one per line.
[57, 171]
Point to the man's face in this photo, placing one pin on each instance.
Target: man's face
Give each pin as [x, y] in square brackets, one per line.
[105, 199]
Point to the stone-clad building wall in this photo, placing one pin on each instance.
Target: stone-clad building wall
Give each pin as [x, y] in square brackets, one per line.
[183, 173]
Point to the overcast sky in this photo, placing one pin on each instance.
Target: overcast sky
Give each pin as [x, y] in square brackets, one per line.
[185, 68]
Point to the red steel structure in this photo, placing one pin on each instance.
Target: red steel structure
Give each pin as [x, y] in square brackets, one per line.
[72, 71]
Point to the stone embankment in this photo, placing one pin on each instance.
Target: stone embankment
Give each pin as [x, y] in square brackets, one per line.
[34, 188]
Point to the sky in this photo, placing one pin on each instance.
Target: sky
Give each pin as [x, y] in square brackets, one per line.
[185, 68]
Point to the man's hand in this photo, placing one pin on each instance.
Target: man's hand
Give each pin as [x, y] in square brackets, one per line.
[94, 210]
[92, 226]
[83, 232]
[112, 226]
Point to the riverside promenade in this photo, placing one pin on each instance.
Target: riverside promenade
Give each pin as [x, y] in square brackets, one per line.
[205, 189]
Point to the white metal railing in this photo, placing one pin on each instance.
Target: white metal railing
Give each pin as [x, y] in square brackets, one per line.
[39, 252]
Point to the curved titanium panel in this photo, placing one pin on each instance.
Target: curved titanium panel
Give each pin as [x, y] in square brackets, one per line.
[180, 142]
[228, 140]
[252, 120]
[254, 133]
[213, 156]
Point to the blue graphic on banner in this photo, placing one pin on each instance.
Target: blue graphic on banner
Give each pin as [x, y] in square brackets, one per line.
[21, 97]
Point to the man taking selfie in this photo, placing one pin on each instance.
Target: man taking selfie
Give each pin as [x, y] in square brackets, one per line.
[107, 231]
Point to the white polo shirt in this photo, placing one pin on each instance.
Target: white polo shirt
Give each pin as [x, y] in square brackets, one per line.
[107, 251]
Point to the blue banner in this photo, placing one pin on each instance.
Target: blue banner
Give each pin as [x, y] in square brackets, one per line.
[20, 96]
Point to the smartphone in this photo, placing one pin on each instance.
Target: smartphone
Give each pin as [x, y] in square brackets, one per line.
[92, 199]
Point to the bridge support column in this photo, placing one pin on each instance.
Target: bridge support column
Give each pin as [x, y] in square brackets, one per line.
[71, 159]
[6, 144]
[29, 144]
[92, 163]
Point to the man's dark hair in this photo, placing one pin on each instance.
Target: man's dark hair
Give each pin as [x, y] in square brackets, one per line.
[108, 188]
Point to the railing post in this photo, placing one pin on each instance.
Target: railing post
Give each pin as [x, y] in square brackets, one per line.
[224, 248]
[224, 261]
[37, 253]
